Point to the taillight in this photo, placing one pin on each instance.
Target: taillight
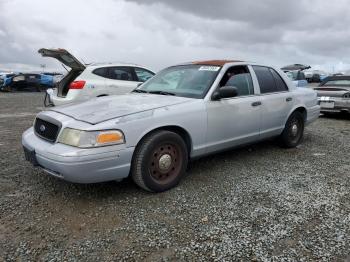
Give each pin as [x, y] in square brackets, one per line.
[77, 84]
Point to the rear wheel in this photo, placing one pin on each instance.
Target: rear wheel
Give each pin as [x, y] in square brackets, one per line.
[293, 131]
[160, 161]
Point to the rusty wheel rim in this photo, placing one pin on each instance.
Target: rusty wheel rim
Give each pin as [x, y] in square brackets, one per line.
[165, 163]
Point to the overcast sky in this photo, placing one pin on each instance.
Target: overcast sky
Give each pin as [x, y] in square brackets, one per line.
[161, 33]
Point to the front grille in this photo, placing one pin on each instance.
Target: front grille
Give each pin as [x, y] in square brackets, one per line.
[46, 130]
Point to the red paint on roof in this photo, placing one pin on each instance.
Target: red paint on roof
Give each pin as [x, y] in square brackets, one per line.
[215, 62]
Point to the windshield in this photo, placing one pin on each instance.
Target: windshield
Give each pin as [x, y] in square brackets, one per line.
[187, 80]
[340, 82]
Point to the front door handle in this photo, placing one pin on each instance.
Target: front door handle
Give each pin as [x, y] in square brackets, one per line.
[288, 99]
[257, 103]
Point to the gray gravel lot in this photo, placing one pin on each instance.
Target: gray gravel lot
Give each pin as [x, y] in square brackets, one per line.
[254, 203]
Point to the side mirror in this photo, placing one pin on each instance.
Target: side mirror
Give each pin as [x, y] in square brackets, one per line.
[225, 92]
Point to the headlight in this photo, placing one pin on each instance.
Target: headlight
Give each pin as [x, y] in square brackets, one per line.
[86, 139]
[346, 95]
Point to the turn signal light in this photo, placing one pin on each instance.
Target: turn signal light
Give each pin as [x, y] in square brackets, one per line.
[77, 84]
[109, 137]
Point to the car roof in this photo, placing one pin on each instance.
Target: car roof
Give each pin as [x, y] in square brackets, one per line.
[112, 64]
[105, 64]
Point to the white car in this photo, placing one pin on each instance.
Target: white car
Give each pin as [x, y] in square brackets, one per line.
[182, 113]
[85, 82]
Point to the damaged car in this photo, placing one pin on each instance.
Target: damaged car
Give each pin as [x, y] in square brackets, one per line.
[84, 82]
[182, 113]
[22, 82]
[334, 94]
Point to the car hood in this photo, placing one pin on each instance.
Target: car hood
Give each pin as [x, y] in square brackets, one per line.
[334, 91]
[106, 108]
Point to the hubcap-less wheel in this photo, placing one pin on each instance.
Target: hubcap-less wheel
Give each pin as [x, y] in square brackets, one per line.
[159, 161]
[294, 128]
[165, 163]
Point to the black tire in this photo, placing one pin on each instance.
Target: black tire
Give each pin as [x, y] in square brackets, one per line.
[159, 161]
[293, 131]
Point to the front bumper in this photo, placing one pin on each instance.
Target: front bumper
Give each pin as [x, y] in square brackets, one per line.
[334, 104]
[79, 165]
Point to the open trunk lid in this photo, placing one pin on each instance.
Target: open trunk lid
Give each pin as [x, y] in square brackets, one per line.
[63, 56]
[69, 60]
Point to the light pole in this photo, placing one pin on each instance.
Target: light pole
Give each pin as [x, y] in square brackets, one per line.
[43, 66]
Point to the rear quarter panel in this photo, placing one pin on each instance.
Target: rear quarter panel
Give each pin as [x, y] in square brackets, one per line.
[307, 98]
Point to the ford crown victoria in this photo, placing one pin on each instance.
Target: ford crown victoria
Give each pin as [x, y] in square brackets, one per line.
[184, 112]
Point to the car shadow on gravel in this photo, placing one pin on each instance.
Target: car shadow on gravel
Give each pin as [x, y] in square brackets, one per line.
[339, 116]
[242, 157]
[127, 188]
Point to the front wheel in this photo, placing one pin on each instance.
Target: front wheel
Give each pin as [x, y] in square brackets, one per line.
[293, 131]
[160, 161]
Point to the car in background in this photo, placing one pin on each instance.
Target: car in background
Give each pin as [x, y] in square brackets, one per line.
[298, 78]
[315, 76]
[183, 112]
[308, 75]
[5, 79]
[334, 94]
[48, 80]
[84, 82]
[318, 76]
[21, 82]
[295, 73]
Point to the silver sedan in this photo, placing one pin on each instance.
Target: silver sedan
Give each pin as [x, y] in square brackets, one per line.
[184, 112]
[334, 94]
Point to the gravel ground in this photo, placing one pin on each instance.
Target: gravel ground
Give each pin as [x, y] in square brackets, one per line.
[255, 203]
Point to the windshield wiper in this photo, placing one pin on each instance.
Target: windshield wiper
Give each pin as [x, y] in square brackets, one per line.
[139, 91]
[165, 93]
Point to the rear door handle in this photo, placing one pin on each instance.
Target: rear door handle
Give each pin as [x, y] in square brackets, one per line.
[257, 103]
[288, 99]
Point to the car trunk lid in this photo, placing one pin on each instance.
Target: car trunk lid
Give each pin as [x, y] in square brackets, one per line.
[68, 60]
[63, 56]
[334, 91]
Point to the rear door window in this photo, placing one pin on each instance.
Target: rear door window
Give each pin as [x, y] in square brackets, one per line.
[280, 84]
[269, 80]
[121, 73]
[103, 71]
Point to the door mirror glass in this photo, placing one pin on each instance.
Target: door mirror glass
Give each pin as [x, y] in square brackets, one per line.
[225, 92]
